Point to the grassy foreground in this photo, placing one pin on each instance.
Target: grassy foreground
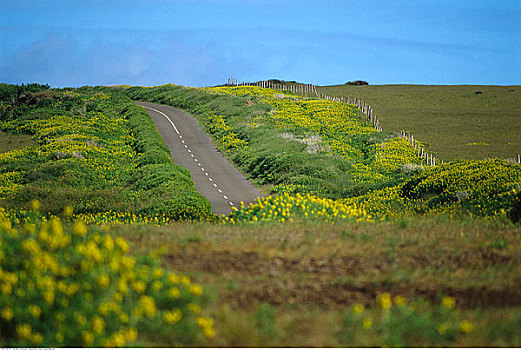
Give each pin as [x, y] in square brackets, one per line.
[304, 284]
[467, 121]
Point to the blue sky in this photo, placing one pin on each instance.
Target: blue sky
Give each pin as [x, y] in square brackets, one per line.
[201, 43]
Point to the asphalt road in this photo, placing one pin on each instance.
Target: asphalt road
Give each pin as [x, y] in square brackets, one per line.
[214, 177]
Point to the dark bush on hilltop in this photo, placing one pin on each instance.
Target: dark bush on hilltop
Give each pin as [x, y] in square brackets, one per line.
[357, 82]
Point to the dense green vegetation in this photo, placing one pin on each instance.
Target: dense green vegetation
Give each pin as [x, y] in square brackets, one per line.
[457, 122]
[99, 153]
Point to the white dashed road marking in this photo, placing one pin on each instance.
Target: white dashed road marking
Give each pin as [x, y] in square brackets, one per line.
[189, 151]
[164, 115]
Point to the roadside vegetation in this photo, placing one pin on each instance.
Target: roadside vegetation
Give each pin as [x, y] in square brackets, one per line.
[98, 153]
[356, 242]
[323, 149]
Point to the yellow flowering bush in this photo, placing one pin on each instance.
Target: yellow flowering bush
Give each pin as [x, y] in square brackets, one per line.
[286, 207]
[397, 322]
[77, 286]
[337, 124]
[489, 188]
[217, 126]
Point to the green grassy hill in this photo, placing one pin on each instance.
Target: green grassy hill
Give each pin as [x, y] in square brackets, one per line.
[467, 121]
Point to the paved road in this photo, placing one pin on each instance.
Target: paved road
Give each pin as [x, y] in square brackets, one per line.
[214, 177]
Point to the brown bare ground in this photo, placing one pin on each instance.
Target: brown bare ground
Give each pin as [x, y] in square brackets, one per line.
[332, 266]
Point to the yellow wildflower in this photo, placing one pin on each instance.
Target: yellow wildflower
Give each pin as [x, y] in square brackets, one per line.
[123, 317]
[31, 246]
[97, 324]
[367, 323]
[139, 286]
[442, 328]
[204, 322]
[209, 332]
[400, 300]
[131, 334]
[119, 340]
[384, 300]
[30, 228]
[196, 289]
[56, 226]
[157, 286]
[185, 280]
[72, 289]
[173, 316]
[59, 337]
[88, 338]
[35, 311]
[103, 280]
[35, 204]
[68, 211]
[48, 296]
[194, 308]
[37, 338]
[79, 229]
[448, 302]
[23, 330]
[148, 305]
[117, 297]
[173, 278]
[7, 313]
[158, 273]
[174, 293]
[465, 326]
[122, 244]
[6, 288]
[128, 262]
[108, 243]
[358, 308]
[80, 319]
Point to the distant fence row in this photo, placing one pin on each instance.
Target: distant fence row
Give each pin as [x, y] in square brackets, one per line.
[367, 110]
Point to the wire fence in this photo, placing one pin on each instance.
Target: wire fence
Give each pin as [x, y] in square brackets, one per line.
[367, 110]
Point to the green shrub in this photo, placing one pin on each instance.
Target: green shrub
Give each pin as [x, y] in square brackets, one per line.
[403, 323]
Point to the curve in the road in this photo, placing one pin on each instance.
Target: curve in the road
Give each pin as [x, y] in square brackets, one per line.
[214, 177]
